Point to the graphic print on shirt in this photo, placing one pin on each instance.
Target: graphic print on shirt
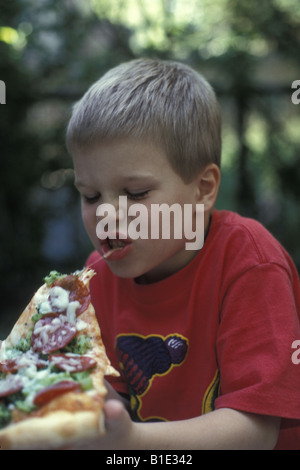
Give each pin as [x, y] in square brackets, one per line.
[142, 358]
[212, 392]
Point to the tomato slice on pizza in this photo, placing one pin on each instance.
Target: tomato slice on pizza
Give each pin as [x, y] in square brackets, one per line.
[52, 368]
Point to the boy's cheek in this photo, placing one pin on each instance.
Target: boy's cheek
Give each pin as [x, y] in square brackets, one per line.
[89, 222]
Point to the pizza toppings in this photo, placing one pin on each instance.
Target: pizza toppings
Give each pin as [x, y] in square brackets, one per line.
[58, 299]
[78, 291]
[51, 400]
[51, 358]
[11, 384]
[72, 362]
[53, 276]
[47, 394]
[20, 361]
[67, 294]
[51, 334]
[67, 298]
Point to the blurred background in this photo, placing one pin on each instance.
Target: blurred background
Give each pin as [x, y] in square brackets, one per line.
[51, 51]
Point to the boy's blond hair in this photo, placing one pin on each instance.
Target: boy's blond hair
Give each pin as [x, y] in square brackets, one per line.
[165, 103]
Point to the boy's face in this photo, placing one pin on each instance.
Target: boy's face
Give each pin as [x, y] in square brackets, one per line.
[142, 173]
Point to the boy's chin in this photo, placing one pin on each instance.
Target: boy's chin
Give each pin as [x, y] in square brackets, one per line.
[126, 272]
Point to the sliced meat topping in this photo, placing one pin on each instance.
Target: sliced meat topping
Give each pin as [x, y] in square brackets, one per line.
[51, 334]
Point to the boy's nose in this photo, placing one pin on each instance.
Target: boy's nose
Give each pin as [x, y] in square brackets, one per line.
[115, 210]
[121, 209]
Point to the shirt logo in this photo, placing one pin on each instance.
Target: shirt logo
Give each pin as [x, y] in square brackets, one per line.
[143, 358]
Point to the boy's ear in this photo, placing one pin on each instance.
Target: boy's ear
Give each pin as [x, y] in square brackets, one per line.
[208, 182]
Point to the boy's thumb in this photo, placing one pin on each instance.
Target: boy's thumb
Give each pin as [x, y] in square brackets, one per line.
[116, 416]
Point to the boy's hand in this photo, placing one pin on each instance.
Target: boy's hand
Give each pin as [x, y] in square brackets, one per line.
[119, 430]
[119, 426]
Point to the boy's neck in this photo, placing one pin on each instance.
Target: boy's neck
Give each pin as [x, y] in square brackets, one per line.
[145, 279]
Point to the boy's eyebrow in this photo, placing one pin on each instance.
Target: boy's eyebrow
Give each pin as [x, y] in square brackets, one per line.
[139, 177]
[125, 179]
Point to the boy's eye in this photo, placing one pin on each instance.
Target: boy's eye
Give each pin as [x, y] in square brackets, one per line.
[136, 195]
[91, 199]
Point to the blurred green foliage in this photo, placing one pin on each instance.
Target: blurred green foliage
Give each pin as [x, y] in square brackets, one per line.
[50, 53]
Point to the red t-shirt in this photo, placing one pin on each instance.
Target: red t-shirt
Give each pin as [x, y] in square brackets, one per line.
[216, 334]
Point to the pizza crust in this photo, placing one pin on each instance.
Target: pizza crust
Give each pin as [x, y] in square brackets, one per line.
[57, 430]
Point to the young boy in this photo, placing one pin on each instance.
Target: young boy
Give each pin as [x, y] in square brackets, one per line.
[202, 337]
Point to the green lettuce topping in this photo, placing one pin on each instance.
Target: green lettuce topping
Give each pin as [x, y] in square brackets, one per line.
[53, 276]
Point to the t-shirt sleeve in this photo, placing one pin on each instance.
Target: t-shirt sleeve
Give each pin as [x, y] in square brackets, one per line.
[259, 322]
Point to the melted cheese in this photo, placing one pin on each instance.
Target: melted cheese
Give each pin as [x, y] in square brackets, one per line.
[45, 307]
[59, 298]
[71, 311]
[81, 325]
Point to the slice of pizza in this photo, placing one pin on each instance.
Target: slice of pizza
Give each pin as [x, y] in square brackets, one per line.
[52, 368]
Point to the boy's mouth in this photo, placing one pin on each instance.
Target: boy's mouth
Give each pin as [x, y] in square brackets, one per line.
[114, 248]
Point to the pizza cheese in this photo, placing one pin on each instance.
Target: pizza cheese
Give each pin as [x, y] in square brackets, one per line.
[52, 368]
